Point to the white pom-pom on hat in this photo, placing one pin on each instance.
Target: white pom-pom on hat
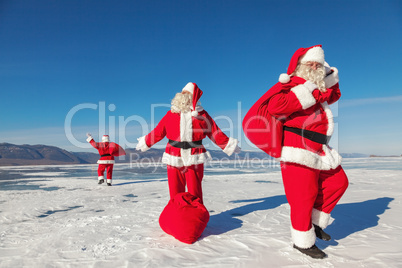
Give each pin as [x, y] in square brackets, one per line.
[284, 78]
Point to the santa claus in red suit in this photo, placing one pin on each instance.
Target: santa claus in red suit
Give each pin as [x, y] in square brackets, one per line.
[185, 126]
[292, 121]
[107, 150]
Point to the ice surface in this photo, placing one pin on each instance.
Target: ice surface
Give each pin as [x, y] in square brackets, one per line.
[79, 223]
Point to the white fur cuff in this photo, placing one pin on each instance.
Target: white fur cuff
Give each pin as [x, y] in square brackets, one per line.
[142, 145]
[231, 146]
[303, 94]
[89, 138]
[303, 239]
[332, 79]
[320, 218]
[100, 178]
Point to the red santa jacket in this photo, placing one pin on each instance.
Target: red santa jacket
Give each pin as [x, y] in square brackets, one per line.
[107, 151]
[183, 127]
[295, 104]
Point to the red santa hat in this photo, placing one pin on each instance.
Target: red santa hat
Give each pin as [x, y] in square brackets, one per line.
[314, 54]
[196, 92]
[105, 138]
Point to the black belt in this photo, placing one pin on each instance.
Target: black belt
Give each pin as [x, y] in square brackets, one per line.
[185, 144]
[102, 155]
[311, 135]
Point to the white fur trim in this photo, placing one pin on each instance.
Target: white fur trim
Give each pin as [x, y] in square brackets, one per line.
[230, 146]
[109, 180]
[186, 127]
[330, 118]
[194, 113]
[89, 138]
[100, 178]
[105, 138]
[320, 218]
[284, 78]
[142, 145]
[186, 157]
[186, 134]
[332, 79]
[189, 87]
[303, 239]
[315, 54]
[330, 160]
[190, 160]
[303, 94]
[105, 162]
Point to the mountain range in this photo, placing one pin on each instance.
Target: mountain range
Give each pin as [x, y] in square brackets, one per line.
[23, 155]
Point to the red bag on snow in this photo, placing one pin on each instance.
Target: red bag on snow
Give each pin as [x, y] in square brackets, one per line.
[184, 217]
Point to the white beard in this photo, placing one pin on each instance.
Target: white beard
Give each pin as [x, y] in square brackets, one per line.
[181, 103]
[315, 76]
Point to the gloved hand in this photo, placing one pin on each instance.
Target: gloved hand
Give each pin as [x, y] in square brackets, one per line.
[310, 85]
[237, 149]
[328, 69]
[141, 145]
[89, 137]
[332, 78]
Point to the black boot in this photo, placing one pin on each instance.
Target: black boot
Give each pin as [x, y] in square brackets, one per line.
[101, 181]
[313, 252]
[109, 184]
[319, 233]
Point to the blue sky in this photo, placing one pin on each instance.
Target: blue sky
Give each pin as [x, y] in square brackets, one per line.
[114, 66]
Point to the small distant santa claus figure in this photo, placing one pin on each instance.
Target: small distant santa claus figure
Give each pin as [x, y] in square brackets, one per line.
[107, 150]
[186, 125]
[293, 121]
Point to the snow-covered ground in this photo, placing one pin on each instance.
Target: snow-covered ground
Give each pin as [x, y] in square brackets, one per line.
[60, 217]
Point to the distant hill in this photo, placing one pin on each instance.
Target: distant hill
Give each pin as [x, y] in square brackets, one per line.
[16, 155]
[354, 155]
[374, 155]
[22, 155]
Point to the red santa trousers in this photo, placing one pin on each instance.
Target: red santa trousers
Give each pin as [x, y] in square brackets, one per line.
[178, 177]
[109, 170]
[312, 194]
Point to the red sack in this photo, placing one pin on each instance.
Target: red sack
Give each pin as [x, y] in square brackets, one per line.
[116, 150]
[260, 127]
[184, 217]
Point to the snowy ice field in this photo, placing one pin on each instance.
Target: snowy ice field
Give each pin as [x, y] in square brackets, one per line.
[57, 216]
